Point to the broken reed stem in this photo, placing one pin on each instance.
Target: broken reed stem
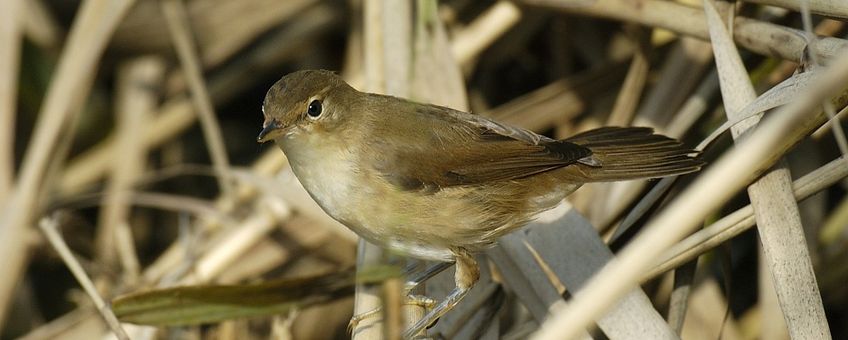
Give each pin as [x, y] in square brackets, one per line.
[178, 25]
[48, 226]
[90, 32]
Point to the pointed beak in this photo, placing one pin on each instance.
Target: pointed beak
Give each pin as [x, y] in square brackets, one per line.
[269, 132]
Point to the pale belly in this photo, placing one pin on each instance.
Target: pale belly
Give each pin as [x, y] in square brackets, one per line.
[367, 206]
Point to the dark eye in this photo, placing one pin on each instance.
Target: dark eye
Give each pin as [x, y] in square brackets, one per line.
[314, 109]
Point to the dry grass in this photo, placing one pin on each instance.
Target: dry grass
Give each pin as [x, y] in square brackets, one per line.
[132, 139]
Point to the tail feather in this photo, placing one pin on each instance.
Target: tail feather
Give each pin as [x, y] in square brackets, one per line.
[622, 153]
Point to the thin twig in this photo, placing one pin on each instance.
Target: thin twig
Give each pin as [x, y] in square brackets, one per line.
[177, 19]
[48, 226]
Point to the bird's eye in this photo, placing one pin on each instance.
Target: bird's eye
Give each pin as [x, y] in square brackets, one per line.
[314, 109]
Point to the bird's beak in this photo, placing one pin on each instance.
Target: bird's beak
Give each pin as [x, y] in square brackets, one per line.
[269, 132]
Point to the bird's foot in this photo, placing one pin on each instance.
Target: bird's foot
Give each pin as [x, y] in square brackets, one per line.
[411, 300]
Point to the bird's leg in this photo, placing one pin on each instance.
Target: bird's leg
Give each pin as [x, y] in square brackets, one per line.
[467, 273]
[410, 284]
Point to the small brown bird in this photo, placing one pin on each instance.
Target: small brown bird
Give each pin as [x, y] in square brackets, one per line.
[436, 183]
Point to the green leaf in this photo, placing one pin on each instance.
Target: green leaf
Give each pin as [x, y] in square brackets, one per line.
[193, 305]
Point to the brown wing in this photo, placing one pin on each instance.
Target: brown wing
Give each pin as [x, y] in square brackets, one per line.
[443, 147]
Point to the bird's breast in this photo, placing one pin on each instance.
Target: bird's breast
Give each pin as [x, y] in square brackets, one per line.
[326, 174]
[332, 177]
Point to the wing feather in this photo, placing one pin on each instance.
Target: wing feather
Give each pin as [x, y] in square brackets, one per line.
[456, 148]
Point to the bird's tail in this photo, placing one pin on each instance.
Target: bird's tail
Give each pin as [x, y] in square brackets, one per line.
[622, 153]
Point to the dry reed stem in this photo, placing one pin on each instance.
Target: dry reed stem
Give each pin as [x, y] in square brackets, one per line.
[178, 25]
[730, 173]
[573, 250]
[778, 218]
[436, 75]
[742, 219]
[757, 36]
[57, 327]
[835, 225]
[172, 117]
[235, 243]
[829, 8]
[221, 28]
[136, 99]
[634, 83]
[532, 290]
[90, 32]
[48, 226]
[483, 31]
[773, 324]
[40, 26]
[393, 316]
[176, 203]
[679, 300]
[694, 108]
[559, 100]
[680, 75]
[228, 36]
[705, 320]
[10, 54]
[481, 312]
